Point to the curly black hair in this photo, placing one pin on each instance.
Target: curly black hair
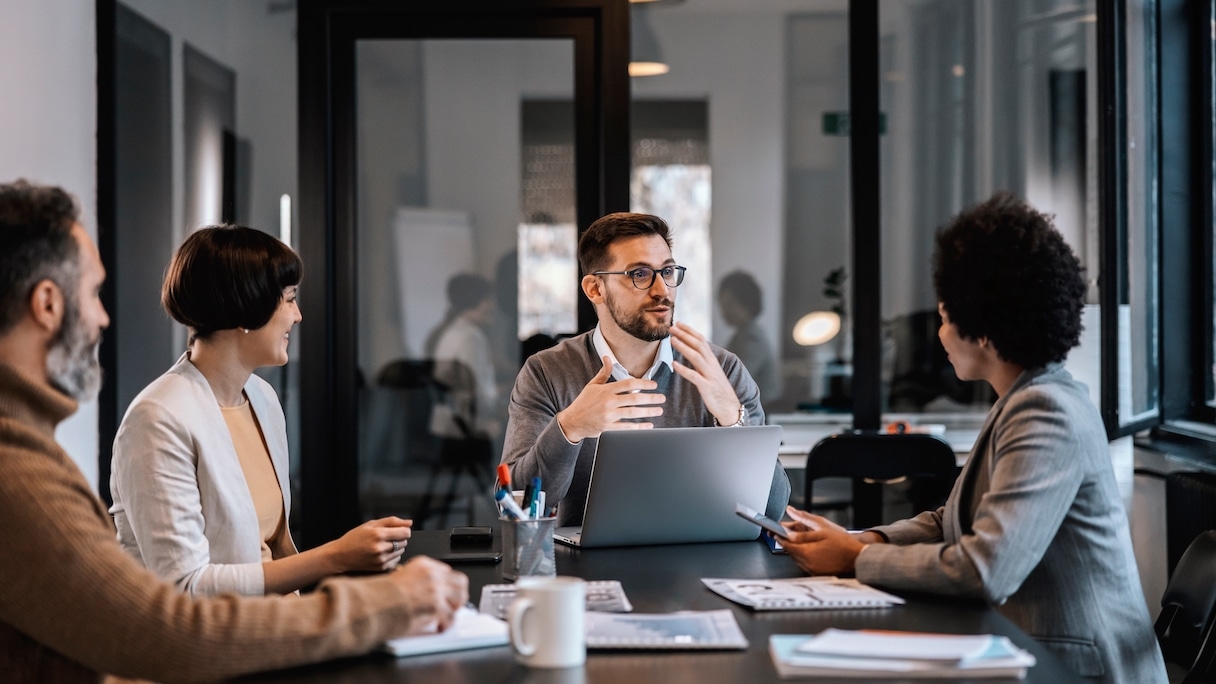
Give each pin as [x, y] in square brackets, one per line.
[1002, 271]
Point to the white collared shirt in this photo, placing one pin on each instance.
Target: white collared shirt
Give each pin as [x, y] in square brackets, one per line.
[618, 371]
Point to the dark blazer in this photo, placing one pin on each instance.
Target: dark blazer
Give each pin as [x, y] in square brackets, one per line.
[1035, 526]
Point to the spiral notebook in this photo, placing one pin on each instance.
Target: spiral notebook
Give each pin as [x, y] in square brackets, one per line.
[802, 593]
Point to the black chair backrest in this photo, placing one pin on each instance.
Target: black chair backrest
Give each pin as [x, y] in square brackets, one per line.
[1190, 509]
[879, 457]
[1185, 625]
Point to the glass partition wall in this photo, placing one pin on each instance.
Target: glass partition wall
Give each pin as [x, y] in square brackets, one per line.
[746, 153]
[466, 227]
[979, 97]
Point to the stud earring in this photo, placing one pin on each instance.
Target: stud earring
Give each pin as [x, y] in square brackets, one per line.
[246, 330]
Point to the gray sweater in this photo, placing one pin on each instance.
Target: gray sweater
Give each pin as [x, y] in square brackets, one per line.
[552, 379]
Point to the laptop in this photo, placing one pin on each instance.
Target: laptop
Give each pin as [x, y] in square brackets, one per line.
[675, 486]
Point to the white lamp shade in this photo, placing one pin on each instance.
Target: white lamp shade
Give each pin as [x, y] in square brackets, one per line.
[816, 327]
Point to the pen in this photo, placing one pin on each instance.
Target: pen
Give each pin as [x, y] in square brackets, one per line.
[504, 482]
[533, 501]
[507, 502]
[529, 492]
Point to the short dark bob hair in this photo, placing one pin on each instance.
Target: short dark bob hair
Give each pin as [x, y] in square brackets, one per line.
[225, 277]
[593, 245]
[1002, 271]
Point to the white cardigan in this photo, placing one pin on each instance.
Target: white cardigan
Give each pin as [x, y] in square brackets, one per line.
[181, 503]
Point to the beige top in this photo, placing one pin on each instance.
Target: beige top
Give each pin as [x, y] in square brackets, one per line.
[259, 473]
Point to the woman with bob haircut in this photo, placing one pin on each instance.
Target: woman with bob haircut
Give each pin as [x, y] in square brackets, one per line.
[1034, 524]
[200, 474]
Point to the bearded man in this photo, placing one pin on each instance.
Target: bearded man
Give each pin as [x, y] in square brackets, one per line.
[638, 369]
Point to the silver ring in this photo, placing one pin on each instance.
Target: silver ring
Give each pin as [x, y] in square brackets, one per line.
[395, 547]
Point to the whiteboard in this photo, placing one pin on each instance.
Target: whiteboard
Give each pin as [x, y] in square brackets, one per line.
[432, 245]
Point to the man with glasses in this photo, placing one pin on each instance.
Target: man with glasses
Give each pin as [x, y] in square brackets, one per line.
[638, 369]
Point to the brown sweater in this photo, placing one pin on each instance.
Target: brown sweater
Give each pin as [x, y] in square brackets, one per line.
[73, 605]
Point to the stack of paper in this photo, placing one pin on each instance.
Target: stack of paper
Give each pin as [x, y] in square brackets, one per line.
[844, 654]
[802, 593]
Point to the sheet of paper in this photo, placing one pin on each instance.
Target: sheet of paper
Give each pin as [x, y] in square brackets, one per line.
[605, 596]
[710, 629]
[906, 645]
[801, 593]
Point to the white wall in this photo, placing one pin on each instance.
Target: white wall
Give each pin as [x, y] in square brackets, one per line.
[735, 61]
[261, 48]
[48, 126]
[473, 94]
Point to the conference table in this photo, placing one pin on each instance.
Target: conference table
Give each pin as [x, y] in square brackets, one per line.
[659, 579]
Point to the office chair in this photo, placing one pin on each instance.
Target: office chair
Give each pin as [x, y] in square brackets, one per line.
[1190, 509]
[1184, 628]
[873, 459]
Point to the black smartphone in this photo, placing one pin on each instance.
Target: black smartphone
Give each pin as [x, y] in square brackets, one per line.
[471, 536]
[470, 556]
[762, 520]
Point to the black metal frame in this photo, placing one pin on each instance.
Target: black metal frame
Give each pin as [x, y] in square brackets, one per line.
[864, 105]
[328, 30]
[107, 243]
[1187, 222]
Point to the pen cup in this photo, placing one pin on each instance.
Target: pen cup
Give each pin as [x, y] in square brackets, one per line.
[527, 548]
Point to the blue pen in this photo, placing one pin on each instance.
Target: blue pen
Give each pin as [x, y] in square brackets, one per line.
[534, 503]
[512, 509]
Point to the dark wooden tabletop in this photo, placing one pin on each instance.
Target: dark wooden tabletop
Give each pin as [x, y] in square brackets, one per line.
[661, 579]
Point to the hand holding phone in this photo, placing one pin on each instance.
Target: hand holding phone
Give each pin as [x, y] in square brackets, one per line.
[762, 520]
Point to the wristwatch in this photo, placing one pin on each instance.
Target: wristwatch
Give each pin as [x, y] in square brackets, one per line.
[737, 423]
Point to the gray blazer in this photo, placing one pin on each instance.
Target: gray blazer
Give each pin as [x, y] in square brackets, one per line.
[181, 503]
[1035, 526]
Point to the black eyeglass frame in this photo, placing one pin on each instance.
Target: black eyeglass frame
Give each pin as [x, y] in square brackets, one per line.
[677, 272]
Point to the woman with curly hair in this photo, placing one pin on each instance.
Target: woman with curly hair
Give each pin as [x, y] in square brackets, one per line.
[1035, 524]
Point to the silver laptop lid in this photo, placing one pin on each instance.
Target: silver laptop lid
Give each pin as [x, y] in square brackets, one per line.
[678, 485]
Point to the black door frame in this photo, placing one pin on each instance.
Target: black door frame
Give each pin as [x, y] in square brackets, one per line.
[328, 30]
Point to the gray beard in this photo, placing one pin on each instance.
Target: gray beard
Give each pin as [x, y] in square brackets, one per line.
[71, 364]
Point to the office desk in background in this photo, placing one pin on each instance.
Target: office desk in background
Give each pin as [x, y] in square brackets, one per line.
[803, 430]
[661, 579]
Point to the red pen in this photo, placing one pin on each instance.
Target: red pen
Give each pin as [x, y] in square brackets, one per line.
[504, 484]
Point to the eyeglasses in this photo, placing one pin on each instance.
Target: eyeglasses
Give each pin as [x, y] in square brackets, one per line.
[643, 277]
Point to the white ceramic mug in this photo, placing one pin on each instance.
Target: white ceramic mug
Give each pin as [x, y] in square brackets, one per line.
[547, 621]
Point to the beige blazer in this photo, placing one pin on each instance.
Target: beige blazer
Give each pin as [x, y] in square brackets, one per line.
[181, 503]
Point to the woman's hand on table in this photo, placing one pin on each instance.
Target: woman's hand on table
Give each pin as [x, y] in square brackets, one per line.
[820, 546]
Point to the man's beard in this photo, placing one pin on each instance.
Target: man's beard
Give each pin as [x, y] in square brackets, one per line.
[71, 364]
[635, 323]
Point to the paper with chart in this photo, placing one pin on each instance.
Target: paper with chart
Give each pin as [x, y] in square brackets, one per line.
[706, 629]
[605, 596]
[801, 593]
